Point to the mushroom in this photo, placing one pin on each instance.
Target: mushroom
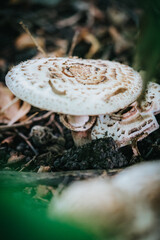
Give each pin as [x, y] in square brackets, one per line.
[132, 124]
[77, 89]
[81, 91]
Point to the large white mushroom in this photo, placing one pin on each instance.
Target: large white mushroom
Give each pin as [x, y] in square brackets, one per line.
[79, 90]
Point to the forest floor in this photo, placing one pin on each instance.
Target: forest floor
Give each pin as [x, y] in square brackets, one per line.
[106, 31]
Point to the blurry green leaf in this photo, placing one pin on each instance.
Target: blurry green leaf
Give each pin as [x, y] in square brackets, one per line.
[46, 2]
[147, 55]
[24, 217]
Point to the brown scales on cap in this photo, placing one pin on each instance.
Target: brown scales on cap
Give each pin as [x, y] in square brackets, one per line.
[96, 80]
[80, 88]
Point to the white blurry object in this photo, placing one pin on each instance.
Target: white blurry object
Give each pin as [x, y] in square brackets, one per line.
[127, 204]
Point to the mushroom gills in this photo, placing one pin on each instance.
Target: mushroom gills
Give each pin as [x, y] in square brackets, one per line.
[77, 123]
[133, 123]
[152, 98]
[124, 132]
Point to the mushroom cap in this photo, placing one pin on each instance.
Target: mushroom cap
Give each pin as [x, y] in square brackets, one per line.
[75, 86]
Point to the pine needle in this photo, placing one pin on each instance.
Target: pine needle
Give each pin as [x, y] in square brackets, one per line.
[40, 49]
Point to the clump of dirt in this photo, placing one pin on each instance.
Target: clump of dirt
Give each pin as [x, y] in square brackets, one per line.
[99, 154]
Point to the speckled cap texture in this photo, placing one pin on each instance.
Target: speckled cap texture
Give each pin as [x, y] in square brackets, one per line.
[75, 86]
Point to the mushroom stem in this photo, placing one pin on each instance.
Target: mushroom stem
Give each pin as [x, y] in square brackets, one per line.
[82, 137]
[80, 127]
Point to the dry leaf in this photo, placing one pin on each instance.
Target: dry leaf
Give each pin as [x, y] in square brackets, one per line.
[95, 45]
[90, 38]
[15, 157]
[41, 192]
[70, 21]
[44, 169]
[62, 46]
[96, 12]
[25, 41]
[117, 16]
[10, 109]
[6, 97]
[3, 64]
[120, 44]
[8, 140]
[24, 109]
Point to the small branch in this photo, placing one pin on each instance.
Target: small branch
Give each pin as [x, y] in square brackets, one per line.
[59, 128]
[27, 141]
[22, 124]
[31, 117]
[53, 121]
[27, 164]
[74, 42]
[33, 39]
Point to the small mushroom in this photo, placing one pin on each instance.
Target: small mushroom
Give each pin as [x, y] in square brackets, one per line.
[134, 124]
[42, 135]
[77, 89]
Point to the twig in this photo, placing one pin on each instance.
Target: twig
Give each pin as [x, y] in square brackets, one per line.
[27, 164]
[59, 127]
[51, 119]
[27, 141]
[33, 39]
[22, 124]
[112, 172]
[31, 117]
[74, 42]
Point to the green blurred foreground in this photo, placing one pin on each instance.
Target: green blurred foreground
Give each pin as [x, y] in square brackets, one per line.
[23, 217]
[147, 55]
